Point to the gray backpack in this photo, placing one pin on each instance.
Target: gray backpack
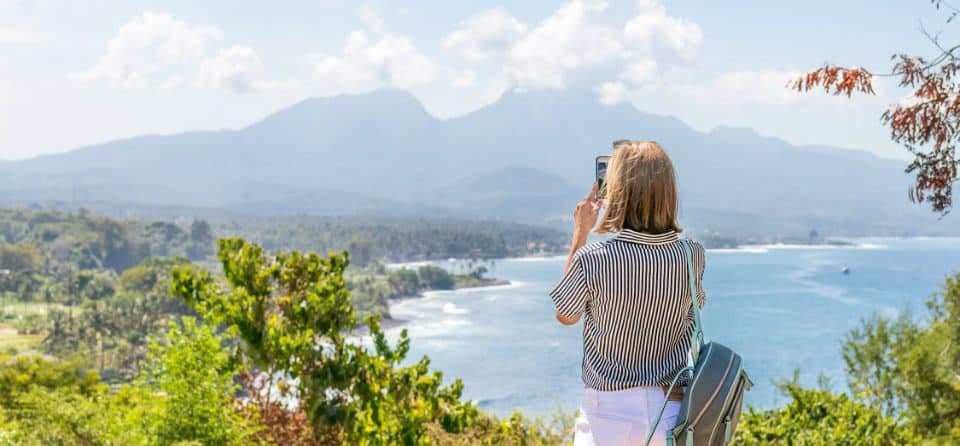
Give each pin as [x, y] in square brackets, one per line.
[711, 405]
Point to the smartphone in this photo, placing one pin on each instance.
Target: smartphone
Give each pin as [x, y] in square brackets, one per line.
[602, 162]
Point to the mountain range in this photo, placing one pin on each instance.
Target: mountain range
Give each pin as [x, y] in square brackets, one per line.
[527, 157]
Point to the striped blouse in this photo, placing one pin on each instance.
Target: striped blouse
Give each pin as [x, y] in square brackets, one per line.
[633, 294]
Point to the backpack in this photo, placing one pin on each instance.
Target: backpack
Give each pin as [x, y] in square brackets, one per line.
[712, 403]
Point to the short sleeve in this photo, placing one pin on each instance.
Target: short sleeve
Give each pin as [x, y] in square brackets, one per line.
[571, 294]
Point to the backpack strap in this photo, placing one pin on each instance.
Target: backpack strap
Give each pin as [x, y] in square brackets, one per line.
[696, 338]
[696, 342]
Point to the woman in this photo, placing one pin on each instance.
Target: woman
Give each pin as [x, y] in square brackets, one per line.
[633, 294]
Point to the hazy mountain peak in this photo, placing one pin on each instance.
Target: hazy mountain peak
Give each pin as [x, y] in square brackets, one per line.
[382, 103]
[726, 131]
[385, 147]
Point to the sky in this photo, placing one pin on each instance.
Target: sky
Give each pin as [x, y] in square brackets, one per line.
[78, 73]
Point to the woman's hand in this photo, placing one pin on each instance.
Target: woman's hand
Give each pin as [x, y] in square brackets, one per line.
[584, 219]
[585, 215]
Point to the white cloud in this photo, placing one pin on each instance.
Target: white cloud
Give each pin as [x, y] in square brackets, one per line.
[231, 70]
[641, 72]
[151, 46]
[569, 39]
[759, 87]
[335, 75]
[485, 35]
[652, 34]
[390, 61]
[466, 78]
[18, 36]
[612, 93]
[579, 37]
[157, 49]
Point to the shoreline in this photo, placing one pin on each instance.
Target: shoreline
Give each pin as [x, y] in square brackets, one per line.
[759, 248]
[390, 323]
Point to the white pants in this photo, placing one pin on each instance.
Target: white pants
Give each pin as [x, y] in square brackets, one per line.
[623, 417]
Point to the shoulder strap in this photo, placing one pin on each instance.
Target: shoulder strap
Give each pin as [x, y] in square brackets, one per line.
[696, 342]
[696, 339]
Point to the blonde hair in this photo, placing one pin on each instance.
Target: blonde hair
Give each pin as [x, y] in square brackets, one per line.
[641, 190]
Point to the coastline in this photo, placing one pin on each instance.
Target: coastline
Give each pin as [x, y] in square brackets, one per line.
[390, 323]
[759, 248]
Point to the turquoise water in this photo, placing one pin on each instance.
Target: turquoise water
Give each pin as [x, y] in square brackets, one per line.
[782, 308]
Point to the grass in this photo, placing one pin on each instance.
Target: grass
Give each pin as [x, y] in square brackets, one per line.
[12, 343]
[10, 309]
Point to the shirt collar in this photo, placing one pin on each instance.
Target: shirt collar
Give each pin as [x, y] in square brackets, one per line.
[629, 235]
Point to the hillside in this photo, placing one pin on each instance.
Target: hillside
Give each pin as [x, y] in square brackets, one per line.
[527, 157]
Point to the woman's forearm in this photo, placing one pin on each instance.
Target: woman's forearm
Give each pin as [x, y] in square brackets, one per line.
[584, 219]
[579, 239]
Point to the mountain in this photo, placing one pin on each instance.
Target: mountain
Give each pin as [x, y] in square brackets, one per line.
[526, 157]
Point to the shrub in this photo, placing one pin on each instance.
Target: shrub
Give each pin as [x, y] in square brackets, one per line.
[436, 278]
[193, 378]
[910, 370]
[818, 417]
[290, 314]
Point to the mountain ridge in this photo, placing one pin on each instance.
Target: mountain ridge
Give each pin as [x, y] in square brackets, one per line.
[383, 149]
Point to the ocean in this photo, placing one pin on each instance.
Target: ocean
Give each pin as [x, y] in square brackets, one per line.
[786, 309]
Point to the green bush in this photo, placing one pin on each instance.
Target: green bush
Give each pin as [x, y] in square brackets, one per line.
[23, 373]
[818, 417]
[29, 324]
[193, 379]
[46, 402]
[436, 278]
[910, 369]
[291, 314]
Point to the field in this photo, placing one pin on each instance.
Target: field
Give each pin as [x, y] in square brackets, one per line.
[14, 316]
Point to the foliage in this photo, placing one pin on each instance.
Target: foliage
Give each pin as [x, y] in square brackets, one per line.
[62, 417]
[115, 330]
[436, 278]
[193, 377]
[513, 431]
[926, 125]
[291, 313]
[278, 423]
[910, 369]
[394, 239]
[201, 240]
[406, 282]
[90, 285]
[187, 396]
[817, 417]
[19, 258]
[28, 325]
[31, 371]
[56, 403]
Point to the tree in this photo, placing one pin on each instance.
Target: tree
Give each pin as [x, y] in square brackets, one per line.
[19, 258]
[405, 282]
[816, 417]
[910, 370]
[88, 285]
[194, 378]
[478, 272]
[291, 314]
[926, 125]
[201, 240]
[436, 278]
[361, 250]
[151, 280]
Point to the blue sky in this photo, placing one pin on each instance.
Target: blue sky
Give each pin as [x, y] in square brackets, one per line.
[77, 73]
